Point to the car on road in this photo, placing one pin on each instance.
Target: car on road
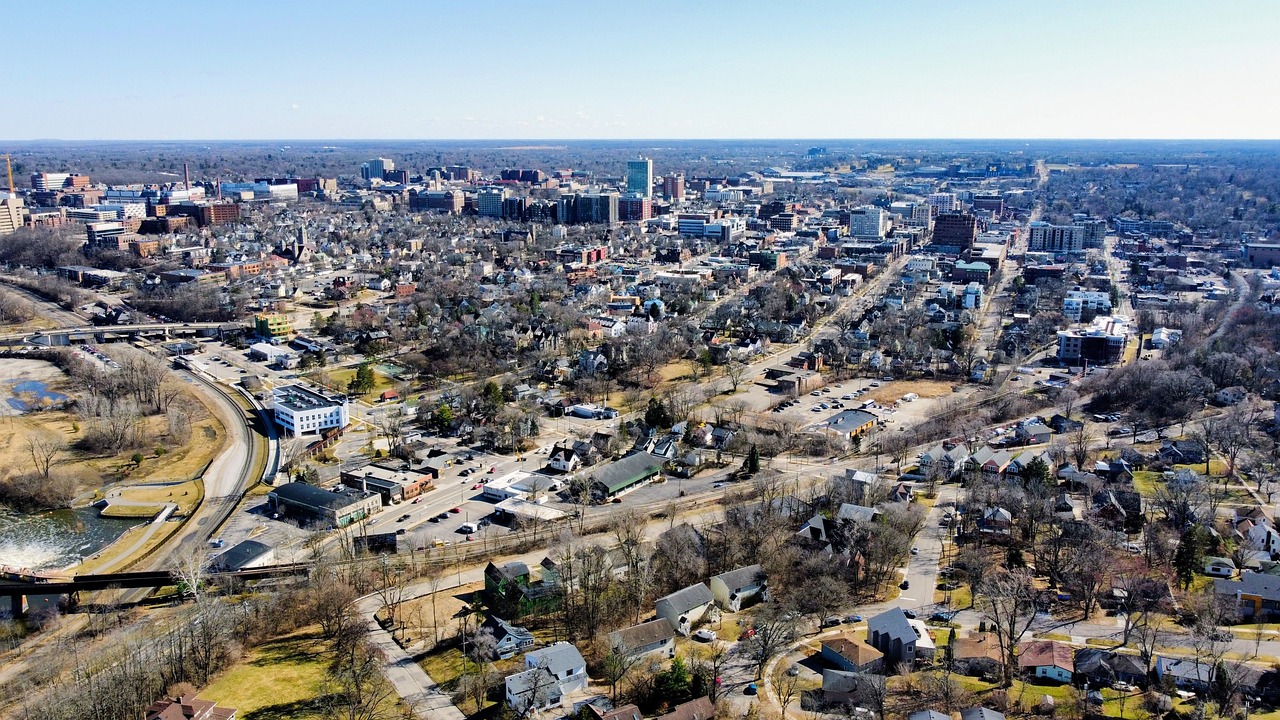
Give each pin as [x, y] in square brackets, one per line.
[403, 517]
[915, 551]
[904, 585]
[477, 486]
[493, 469]
[466, 472]
[704, 635]
[416, 500]
[717, 485]
[401, 531]
[616, 501]
[943, 616]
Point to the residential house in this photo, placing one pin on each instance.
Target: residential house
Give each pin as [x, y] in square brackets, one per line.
[1062, 424]
[733, 589]
[625, 712]
[1103, 667]
[1263, 537]
[684, 608]
[1228, 396]
[564, 662]
[1257, 595]
[509, 639]
[848, 653]
[1181, 452]
[995, 520]
[1219, 567]
[699, 709]
[1185, 674]
[981, 713]
[892, 634]
[654, 636]
[1047, 659]
[512, 592]
[840, 687]
[928, 715]
[532, 690]
[977, 655]
[988, 461]
[1119, 509]
[187, 707]
[564, 459]
[1022, 461]
[1033, 432]
[947, 460]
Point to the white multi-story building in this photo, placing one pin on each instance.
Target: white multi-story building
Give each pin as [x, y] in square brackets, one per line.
[1076, 301]
[302, 410]
[943, 202]
[868, 222]
[49, 181]
[1044, 237]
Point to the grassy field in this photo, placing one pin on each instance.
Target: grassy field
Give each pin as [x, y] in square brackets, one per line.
[187, 495]
[277, 680]
[339, 377]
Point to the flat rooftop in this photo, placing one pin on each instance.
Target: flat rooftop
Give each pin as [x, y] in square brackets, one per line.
[298, 398]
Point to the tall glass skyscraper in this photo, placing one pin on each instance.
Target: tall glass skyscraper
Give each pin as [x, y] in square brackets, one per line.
[640, 177]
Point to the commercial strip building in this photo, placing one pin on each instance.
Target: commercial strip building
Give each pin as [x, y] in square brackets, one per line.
[392, 484]
[314, 506]
[301, 410]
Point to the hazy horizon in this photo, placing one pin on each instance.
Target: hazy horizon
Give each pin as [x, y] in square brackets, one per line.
[561, 70]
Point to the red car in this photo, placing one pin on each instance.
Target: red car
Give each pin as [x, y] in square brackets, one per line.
[493, 469]
[455, 511]
[477, 486]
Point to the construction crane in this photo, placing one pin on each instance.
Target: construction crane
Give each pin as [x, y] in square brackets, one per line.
[9, 163]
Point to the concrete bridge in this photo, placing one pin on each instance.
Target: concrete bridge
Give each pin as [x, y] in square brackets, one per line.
[108, 333]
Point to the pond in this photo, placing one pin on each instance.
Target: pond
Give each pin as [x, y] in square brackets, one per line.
[29, 394]
[58, 538]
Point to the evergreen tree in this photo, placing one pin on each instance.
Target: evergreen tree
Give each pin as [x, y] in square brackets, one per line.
[1037, 472]
[363, 381]
[1189, 557]
[656, 415]
[443, 419]
[752, 463]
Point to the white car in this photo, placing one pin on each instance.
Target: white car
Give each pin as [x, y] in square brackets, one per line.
[705, 635]
[915, 551]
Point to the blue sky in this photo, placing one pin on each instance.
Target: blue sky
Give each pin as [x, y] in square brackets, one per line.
[601, 69]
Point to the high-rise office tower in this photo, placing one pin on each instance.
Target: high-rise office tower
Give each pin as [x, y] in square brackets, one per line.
[376, 168]
[640, 177]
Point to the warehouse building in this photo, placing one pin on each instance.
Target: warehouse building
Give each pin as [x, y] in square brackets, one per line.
[314, 506]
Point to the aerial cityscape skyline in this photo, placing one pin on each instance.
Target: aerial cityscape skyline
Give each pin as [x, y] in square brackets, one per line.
[658, 70]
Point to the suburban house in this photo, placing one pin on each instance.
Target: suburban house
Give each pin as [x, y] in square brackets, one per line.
[1062, 424]
[1033, 433]
[735, 588]
[564, 459]
[564, 662]
[654, 636]
[1256, 594]
[948, 461]
[892, 633]
[850, 654]
[510, 639]
[1047, 659]
[624, 712]
[1184, 674]
[976, 655]
[1219, 567]
[532, 690]
[188, 708]
[988, 461]
[684, 608]
[928, 715]
[1105, 667]
[995, 520]
[700, 709]
[981, 713]
[851, 688]
[512, 591]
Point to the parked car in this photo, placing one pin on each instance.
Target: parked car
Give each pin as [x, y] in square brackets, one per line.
[904, 585]
[911, 614]
[915, 551]
[750, 689]
[853, 619]
[455, 511]
[831, 621]
[704, 635]
[793, 671]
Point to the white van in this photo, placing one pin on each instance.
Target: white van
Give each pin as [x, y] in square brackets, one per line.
[468, 528]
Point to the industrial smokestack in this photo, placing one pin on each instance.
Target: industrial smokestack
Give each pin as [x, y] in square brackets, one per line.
[186, 176]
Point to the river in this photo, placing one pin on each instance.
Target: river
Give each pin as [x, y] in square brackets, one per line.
[56, 539]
